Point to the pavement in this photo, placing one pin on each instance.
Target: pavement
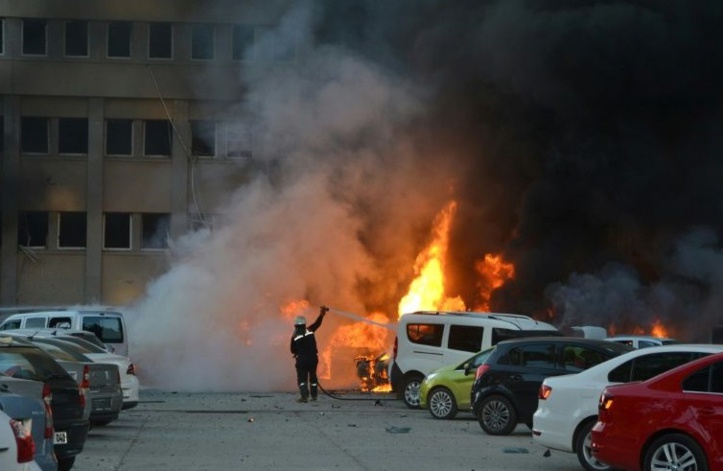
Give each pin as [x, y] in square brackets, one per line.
[179, 431]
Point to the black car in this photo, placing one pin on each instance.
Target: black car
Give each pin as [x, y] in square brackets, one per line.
[505, 390]
[21, 359]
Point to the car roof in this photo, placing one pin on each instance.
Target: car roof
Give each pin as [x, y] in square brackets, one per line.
[556, 339]
[638, 337]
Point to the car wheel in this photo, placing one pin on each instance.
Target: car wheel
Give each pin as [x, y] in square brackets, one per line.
[675, 451]
[410, 391]
[65, 464]
[583, 449]
[442, 404]
[497, 416]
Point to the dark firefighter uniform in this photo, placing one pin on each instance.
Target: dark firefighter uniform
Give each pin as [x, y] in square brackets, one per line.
[303, 347]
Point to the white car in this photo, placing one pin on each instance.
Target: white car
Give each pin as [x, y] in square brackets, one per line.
[16, 445]
[641, 341]
[567, 406]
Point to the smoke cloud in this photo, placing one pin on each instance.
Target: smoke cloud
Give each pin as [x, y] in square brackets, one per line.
[580, 140]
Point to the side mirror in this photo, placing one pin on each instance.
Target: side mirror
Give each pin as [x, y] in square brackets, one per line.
[467, 369]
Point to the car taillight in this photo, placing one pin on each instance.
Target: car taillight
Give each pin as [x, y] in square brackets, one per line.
[482, 369]
[84, 386]
[606, 402]
[544, 392]
[48, 399]
[131, 369]
[396, 348]
[24, 440]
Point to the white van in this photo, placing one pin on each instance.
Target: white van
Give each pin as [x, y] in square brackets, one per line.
[427, 340]
[106, 323]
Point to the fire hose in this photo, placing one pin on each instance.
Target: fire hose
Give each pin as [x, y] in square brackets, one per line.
[360, 319]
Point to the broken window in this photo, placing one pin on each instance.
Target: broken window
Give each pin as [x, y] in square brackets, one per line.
[34, 135]
[73, 135]
[203, 138]
[117, 231]
[33, 229]
[72, 230]
[34, 40]
[238, 140]
[155, 230]
[76, 38]
[160, 41]
[119, 137]
[157, 137]
[119, 39]
[242, 42]
[202, 44]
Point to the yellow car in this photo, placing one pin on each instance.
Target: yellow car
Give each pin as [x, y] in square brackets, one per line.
[447, 390]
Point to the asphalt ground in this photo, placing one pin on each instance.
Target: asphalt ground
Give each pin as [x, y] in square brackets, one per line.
[181, 431]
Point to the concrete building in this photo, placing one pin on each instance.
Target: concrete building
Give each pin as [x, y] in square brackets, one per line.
[119, 130]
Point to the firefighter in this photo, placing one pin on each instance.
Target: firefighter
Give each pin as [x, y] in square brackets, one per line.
[303, 347]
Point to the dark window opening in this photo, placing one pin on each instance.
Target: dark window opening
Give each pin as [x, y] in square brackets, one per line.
[203, 138]
[155, 230]
[242, 42]
[117, 231]
[202, 44]
[160, 41]
[2, 134]
[157, 137]
[119, 39]
[119, 137]
[465, 338]
[2, 35]
[426, 334]
[72, 230]
[33, 228]
[73, 135]
[34, 42]
[76, 38]
[34, 135]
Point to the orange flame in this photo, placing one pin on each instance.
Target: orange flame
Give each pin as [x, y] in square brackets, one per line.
[427, 289]
[494, 272]
[659, 330]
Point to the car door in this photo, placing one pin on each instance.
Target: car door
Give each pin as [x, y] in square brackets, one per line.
[704, 394]
[538, 362]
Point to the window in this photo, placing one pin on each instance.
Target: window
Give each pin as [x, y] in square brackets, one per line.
[2, 134]
[119, 137]
[238, 140]
[72, 229]
[34, 135]
[33, 229]
[117, 231]
[242, 42]
[202, 44]
[11, 325]
[647, 366]
[155, 230]
[425, 334]
[2, 35]
[160, 41]
[73, 135]
[157, 137]
[203, 138]
[34, 41]
[76, 38]
[35, 322]
[465, 338]
[107, 329]
[119, 39]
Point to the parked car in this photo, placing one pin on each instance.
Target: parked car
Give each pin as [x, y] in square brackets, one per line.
[446, 391]
[16, 444]
[55, 331]
[100, 380]
[22, 359]
[642, 341]
[673, 421]
[505, 390]
[427, 340]
[568, 405]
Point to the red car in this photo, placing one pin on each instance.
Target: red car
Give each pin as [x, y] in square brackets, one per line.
[673, 421]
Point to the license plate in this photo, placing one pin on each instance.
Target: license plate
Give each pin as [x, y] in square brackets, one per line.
[101, 404]
[60, 438]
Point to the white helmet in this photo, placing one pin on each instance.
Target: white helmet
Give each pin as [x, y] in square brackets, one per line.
[300, 320]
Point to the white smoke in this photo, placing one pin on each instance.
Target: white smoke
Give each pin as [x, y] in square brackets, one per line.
[329, 125]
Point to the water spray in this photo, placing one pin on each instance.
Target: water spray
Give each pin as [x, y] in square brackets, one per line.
[361, 319]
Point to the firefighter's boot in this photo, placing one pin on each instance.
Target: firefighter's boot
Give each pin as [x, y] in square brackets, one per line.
[303, 393]
[314, 391]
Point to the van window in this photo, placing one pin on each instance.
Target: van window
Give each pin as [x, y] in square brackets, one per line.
[466, 338]
[61, 322]
[108, 329]
[33, 322]
[9, 325]
[425, 334]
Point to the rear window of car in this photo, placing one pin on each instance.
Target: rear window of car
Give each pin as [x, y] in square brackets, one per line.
[540, 355]
[646, 366]
[28, 363]
[425, 334]
[708, 379]
[109, 329]
[61, 350]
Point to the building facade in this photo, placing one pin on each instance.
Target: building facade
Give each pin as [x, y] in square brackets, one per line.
[120, 131]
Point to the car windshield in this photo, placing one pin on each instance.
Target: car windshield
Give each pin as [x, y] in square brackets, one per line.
[29, 363]
[61, 350]
[82, 345]
[476, 360]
